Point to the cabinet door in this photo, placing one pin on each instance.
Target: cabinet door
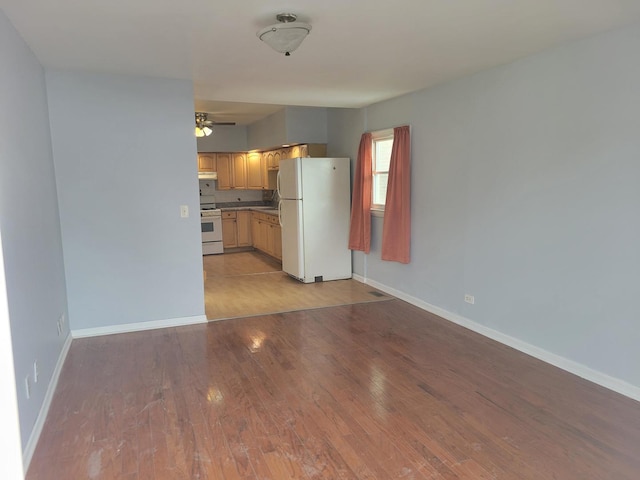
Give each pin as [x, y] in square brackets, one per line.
[264, 236]
[243, 226]
[229, 233]
[255, 179]
[286, 153]
[239, 171]
[268, 159]
[206, 162]
[223, 161]
[271, 240]
[277, 242]
[255, 230]
[277, 155]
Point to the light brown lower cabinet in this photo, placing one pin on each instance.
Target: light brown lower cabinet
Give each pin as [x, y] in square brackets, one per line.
[236, 229]
[243, 227]
[267, 234]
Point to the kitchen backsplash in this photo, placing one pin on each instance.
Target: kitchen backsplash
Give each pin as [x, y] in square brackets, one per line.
[209, 194]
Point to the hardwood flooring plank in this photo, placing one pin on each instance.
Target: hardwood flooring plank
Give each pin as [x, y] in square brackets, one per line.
[368, 391]
[247, 283]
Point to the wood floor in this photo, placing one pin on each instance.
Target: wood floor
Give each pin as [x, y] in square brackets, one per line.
[251, 283]
[368, 391]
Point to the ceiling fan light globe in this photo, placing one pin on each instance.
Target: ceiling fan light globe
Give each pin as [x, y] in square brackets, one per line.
[199, 132]
[206, 131]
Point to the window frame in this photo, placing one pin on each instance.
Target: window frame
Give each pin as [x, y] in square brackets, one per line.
[379, 135]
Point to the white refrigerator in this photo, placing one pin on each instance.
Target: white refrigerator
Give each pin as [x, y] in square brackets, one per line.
[314, 209]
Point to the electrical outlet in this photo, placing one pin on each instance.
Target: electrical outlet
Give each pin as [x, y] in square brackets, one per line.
[469, 298]
[60, 323]
[27, 386]
[184, 211]
[36, 372]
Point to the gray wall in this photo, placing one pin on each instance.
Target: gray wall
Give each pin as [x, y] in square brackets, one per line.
[289, 126]
[29, 222]
[125, 154]
[306, 125]
[225, 138]
[525, 194]
[269, 132]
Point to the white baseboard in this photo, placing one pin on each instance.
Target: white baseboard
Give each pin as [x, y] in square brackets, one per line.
[595, 376]
[139, 326]
[30, 447]
[359, 278]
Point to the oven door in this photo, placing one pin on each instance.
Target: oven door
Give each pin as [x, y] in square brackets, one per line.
[211, 229]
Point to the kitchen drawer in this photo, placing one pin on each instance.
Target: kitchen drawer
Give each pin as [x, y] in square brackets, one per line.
[228, 215]
[266, 217]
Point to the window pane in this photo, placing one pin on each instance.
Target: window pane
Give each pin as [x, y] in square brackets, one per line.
[380, 188]
[383, 154]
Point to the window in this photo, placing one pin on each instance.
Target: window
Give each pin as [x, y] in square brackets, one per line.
[382, 142]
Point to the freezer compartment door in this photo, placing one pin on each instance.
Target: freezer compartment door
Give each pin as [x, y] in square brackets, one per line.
[292, 238]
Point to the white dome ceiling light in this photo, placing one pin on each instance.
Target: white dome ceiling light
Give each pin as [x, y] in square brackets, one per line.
[286, 36]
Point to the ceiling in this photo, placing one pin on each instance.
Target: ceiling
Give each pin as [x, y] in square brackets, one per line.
[359, 51]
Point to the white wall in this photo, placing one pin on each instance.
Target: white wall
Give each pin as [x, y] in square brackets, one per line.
[525, 194]
[129, 257]
[31, 242]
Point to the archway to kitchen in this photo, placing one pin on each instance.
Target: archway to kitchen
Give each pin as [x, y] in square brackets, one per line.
[242, 270]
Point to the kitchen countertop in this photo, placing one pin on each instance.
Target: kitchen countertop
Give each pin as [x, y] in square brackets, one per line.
[269, 210]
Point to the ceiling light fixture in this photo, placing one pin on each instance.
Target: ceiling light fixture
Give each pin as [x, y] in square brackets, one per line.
[203, 132]
[202, 125]
[286, 36]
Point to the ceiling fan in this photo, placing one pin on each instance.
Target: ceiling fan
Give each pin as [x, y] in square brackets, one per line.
[204, 127]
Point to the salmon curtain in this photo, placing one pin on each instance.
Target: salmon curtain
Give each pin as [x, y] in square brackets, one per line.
[360, 230]
[396, 228]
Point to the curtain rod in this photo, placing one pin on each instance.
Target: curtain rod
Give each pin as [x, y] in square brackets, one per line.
[388, 128]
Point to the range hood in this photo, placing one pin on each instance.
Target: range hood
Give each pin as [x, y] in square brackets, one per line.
[207, 175]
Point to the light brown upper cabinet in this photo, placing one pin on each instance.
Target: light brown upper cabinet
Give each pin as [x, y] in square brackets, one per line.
[268, 160]
[251, 171]
[232, 171]
[309, 150]
[277, 155]
[225, 172]
[239, 170]
[206, 162]
[255, 171]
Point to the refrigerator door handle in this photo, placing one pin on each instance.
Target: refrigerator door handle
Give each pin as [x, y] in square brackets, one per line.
[278, 183]
[279, 209]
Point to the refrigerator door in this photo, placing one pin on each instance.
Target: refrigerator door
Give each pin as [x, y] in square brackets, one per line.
[325, 216]
[290, 179]
[292, 238]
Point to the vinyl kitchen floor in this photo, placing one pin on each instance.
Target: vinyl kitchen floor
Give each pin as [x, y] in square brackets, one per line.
[249, 283]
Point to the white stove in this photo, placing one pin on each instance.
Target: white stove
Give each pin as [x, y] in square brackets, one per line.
[214, 212]
[211, 226]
